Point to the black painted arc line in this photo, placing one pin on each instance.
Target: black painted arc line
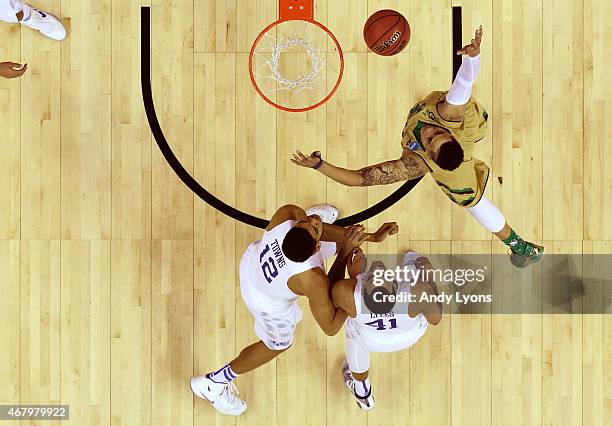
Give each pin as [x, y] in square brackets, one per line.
[457, 39]
[381, 206]
[200, 191]
[174, 163]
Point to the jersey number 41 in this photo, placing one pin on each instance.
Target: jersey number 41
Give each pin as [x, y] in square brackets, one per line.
[380, 324]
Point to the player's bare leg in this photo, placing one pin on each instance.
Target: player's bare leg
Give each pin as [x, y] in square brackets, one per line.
[360, 377]
[254, 356]
[217, 387]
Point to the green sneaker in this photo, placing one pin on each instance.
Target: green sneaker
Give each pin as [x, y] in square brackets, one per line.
[533, 254]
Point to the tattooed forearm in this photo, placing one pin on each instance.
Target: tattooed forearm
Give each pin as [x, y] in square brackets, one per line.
[381, 174]
[412, 168]
[391, 172]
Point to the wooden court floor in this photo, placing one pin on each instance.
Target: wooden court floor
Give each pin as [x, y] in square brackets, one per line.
[117, 283]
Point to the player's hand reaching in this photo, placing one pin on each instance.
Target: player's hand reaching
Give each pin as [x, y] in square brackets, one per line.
[354, 237]
[12, 69]
[356, 263]
[423, 263]
[308, 161]
[473, 49]
[383, 232]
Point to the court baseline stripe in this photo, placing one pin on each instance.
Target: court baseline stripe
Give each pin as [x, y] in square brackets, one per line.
[457, 39]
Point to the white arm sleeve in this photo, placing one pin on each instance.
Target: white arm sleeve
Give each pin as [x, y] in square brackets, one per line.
[461, 89]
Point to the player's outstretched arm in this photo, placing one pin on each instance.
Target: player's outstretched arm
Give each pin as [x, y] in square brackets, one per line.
[329, 318]
[342, 296]
[455, 105]
[352, 238]
[389, 228]
[430, 309]
[337, 234]
[343, 290]
[316, 286]
[424, 291]
[285, 213]
[409, 167]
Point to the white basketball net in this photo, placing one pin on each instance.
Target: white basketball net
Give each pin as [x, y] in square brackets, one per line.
[278, 46]
[295, 57]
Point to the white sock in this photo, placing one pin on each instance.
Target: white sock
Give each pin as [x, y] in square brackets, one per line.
[27, 12]
[223, 375]
[363, 388]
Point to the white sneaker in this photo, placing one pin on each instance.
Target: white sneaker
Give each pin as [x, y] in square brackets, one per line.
[327, 213]
[224, 397]
[367, 403]
[47, 24]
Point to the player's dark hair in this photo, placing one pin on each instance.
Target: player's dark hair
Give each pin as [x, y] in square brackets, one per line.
[450, 155]
[378, 304]
[298, 245]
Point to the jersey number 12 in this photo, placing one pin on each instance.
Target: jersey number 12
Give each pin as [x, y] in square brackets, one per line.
[268, 267]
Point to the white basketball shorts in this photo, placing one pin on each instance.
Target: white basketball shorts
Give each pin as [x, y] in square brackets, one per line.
[276, 329]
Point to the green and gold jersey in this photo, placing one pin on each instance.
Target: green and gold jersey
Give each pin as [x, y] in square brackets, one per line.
[466, 184]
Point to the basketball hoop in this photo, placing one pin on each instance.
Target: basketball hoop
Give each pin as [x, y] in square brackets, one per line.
[296, 63]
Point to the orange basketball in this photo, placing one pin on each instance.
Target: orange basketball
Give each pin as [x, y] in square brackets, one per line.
[387, 32]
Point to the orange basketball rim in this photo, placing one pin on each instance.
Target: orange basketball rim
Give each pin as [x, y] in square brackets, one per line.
[296, 35]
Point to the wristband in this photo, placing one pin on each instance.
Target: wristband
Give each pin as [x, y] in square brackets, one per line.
[320, 163]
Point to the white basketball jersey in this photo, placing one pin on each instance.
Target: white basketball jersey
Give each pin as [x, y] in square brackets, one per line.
[270, 270]
[393, 328]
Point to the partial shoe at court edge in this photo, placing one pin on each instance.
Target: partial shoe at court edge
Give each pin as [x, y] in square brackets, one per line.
[46, 24]
[327, 213]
